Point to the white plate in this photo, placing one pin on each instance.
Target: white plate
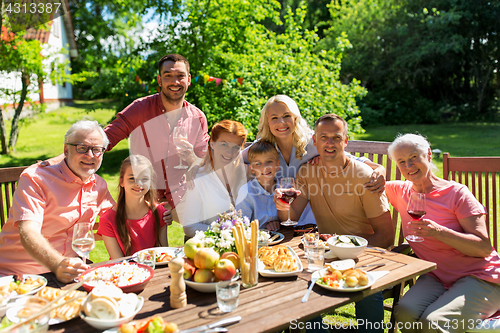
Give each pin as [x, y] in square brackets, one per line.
[159, 250]
[343, 287]
[7, 279]
[277, 240]
[272, 273]
[11, 313]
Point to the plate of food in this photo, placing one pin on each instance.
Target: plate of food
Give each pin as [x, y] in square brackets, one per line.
[163, 254]
[130, 277]
[351, 280]
[278, 261]
[276, 236]
[20, 285]
[48, 294]
[108, 306]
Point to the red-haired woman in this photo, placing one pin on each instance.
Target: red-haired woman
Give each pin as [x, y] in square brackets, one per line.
[219, 178]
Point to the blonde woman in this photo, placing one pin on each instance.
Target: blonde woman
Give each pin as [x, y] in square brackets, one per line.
[282, 124]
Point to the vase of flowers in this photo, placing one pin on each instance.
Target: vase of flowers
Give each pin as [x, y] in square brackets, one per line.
[220, 234]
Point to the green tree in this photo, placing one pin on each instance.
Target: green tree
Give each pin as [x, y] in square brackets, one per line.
[438, 58]
[107, 34]
[227, 39]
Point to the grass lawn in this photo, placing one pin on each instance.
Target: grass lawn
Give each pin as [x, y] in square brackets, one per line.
[43, 137]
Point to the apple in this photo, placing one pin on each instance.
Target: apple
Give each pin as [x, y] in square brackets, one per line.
[224, 269]
[204, 276]
[206, 258]
[189, 268]
[233, 257]
[192, 246]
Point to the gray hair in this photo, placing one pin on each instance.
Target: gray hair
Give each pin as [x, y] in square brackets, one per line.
[416, 140]
[86, 126]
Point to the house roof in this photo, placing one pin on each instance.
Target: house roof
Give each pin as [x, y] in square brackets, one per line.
[43, 35]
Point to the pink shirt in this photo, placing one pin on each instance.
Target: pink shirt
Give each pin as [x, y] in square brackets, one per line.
[56, 198]
[151, 135]
[142, 231]
[446, 206]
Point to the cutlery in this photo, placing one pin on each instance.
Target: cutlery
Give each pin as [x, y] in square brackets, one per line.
[274, 237]
[215, 325]
[179, 250]
[371, 265]
[215, 330]
[306, 296]
[379, 250]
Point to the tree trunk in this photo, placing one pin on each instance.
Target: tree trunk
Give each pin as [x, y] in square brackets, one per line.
[3, 135]
[14, 131]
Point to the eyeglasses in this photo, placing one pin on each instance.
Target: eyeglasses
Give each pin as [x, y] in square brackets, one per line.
[83, 149]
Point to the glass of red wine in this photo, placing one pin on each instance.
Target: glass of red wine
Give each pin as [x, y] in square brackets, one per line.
[288, 194]
[416, 209]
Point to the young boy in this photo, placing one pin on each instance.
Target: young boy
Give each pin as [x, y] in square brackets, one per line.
[255, 198]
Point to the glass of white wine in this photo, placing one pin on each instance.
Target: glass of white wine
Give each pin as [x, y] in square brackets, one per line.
[180, 134]
[83, 239]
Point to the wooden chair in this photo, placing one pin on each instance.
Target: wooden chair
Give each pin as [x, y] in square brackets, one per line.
[376, 151]
[8, 183]
[481, 176]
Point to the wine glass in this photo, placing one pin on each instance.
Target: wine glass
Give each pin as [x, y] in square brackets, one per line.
[416, 209]
[180, 134]
[288, 194]
[83, 239]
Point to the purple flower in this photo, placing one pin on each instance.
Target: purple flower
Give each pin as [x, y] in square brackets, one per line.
[226, 225]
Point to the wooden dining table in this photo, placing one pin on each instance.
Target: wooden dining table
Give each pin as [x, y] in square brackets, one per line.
[274, 304]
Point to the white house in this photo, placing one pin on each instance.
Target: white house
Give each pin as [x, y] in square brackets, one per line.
[60, 36]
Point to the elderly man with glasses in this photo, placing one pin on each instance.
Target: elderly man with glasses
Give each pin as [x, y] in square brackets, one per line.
[49, 201]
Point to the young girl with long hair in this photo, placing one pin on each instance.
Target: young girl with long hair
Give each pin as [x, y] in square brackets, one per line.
[135, 222]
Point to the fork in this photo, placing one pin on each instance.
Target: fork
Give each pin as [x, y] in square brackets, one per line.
[306, 296]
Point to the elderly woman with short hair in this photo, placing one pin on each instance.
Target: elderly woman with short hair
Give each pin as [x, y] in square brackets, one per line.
[465, 286]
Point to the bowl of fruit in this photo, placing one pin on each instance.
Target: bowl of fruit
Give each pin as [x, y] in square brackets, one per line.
[204, 267]
[347, 246]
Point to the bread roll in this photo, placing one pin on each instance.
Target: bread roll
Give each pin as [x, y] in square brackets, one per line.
[103, 308]
[285, 263]
[128, 304]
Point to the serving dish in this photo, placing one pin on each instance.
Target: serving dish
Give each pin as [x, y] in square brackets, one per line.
[14, 295]
[272, 273]
[342, 286]
[12, 311]
[159, 250]
[103, 324]
[119, 274]
[344, 250]
[207, 287]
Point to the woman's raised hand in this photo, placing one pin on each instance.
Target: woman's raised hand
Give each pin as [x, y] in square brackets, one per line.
[377, 181]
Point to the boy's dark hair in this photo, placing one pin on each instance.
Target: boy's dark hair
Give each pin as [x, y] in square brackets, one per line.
[331, 117]
[261, 147]
[172, 57]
